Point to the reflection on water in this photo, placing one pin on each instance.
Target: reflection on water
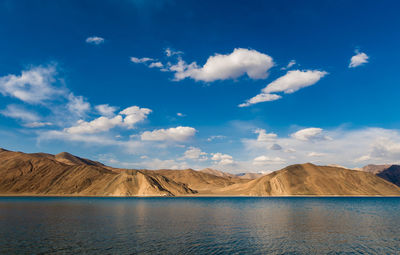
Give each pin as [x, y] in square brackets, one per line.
[199, 225]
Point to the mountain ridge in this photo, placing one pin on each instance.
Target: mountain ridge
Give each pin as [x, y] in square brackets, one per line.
[64, 174]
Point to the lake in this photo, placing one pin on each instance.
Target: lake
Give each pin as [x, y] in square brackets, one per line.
[236, 225]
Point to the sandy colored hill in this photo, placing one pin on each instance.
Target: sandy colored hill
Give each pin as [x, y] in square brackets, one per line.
[375, 169]
[202, 182]
[391, 174]
[67, 175]
[42, 174]
[217, 173]
[309, 179]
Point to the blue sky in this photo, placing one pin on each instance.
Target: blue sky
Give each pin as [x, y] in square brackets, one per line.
[234, 85]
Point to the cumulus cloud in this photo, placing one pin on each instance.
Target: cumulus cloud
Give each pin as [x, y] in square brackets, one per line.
[310, 134]
[106, 110]
[178, 134]
[229, 66]
[263, 136]
[95, 40]
[194, 153]
[18, 112]
[291, 82]
[100, 124]
[33, 86]
[359, 59]
[133, 115]
[222, 159]
[156, 64]
[240, 62]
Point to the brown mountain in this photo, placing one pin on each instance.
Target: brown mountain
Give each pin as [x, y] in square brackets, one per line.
[202, 182]
[309, 179]
[217, 173]
[45, 174]
[375, 169]
[66, 174]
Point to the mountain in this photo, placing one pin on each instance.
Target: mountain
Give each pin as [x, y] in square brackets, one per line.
[204, 183]
[217, 173]
[375, 169]
[309, 179]
[65, 174]
[391, 174]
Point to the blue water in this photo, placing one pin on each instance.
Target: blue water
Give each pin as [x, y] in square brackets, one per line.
[200, 225]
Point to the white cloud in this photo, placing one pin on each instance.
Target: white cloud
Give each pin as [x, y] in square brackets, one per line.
[194, 153]
[106, 110]
[260, 98]
[214, 137]
[95, 40]
[222, 67]
[222, 159]
[37, 124]
[33, 86]
[100, 124]
[169, 52]
[315, 154]
[178, 134]
[140, 60]
[289, 65]
[77, 105]
[265, 160]
[134, 114]
[180, 114]
[18, 112]
[264, 137]
[156, 64]
[359, 59]
[291, 82]
[310, 134]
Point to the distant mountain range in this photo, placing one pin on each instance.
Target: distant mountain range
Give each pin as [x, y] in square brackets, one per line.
[67, 175]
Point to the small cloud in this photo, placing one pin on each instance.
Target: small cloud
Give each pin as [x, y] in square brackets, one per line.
[140, 60]
[214, 137]
[18, 112]
[106, 110]
[310, 134]
[95, 40]
[37, 124]
[178, 134]
[169, 52]
[289, 65]
[156, 64]
[275, 147]
[291, 82]
[180, 114]
[359, 59]
[315, 154]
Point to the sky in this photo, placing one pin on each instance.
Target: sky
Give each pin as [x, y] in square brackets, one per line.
[239, 86]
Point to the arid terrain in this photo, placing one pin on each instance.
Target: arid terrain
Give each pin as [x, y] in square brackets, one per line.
[68, 175]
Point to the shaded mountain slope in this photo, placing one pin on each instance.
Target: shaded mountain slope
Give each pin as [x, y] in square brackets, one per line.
[391, 174]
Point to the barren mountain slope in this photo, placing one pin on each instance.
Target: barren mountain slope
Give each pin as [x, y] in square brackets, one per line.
[309, 179]
[42, 174]
[204, 183]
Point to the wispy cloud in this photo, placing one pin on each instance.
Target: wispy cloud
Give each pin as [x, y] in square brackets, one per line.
[95, 40]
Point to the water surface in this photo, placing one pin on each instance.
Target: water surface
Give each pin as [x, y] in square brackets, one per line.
[199, 225]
